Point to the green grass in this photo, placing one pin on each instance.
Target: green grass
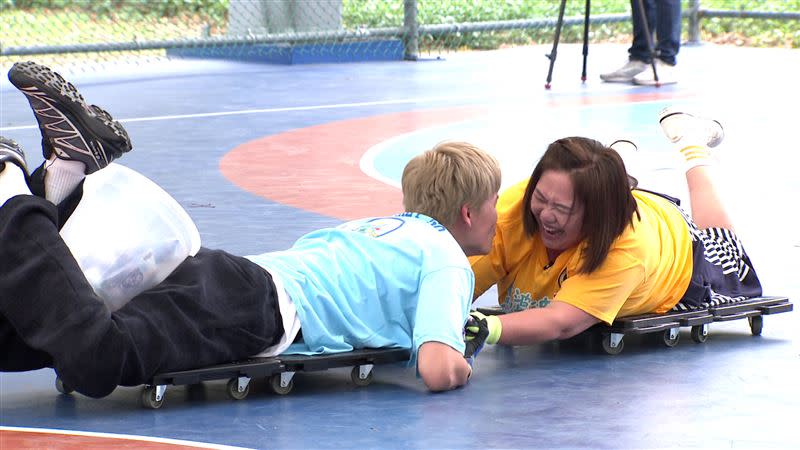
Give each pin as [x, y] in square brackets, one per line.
[76, 26]
[379, 13]
[752, 32]
[57, 22]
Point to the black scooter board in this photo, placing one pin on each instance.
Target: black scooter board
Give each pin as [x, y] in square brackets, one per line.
[670, 323]
[279, 371]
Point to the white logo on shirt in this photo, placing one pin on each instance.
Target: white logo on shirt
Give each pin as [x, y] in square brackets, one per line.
[430, 221]
[377, 227]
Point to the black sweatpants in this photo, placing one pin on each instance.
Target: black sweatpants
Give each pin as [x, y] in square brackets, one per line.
[214, 308]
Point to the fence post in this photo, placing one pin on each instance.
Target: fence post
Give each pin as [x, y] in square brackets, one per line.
[411, 27]
[694, 22]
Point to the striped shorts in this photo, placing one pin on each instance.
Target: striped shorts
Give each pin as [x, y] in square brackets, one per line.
[721, 272]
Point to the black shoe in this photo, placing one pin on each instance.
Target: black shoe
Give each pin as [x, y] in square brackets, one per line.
[70, 128]
[10, 152]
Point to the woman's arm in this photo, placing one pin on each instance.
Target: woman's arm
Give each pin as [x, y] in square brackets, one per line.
[558, 320]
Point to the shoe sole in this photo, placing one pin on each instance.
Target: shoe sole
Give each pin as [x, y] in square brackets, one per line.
[617, 79]
[40, 84]
[653, 82]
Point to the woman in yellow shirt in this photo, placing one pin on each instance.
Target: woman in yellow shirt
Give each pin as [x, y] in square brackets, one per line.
[577, 245]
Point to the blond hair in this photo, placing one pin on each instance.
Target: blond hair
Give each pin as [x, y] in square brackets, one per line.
[451, 174]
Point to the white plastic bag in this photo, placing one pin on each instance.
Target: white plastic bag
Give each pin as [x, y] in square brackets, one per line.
[127, 234]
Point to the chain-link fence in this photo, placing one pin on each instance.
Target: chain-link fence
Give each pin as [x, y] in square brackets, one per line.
[64, 32]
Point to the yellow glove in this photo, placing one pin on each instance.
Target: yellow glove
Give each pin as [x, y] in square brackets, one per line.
[480, 324]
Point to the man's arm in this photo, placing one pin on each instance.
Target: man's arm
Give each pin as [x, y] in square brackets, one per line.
[558, 320]
[442, 367]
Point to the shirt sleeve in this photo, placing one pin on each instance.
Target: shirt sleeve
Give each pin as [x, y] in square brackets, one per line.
[489, 269]
[603, 292]
[444, 301]
[508, 242]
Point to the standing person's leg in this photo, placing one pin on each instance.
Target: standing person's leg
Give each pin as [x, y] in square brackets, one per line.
[663, 65]
[668, 30]
[639, 50]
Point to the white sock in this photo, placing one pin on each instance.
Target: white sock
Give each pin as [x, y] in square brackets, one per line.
[12, 182]
[695, 155]
[61, 177]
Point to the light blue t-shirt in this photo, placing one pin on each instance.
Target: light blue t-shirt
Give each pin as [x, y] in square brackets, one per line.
[396, 281]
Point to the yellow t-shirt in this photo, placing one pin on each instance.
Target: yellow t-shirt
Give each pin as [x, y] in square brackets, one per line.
[647, 269]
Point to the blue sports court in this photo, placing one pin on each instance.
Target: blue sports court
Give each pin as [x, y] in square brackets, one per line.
[259, 155]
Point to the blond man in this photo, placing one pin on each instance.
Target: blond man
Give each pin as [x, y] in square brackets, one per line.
[399, 281]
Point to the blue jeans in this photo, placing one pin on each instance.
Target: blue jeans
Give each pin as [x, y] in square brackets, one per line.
[663, 18]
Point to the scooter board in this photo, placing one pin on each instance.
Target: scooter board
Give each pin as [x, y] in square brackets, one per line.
[354, 358]
[761, 306]
[251, 368]
[279, 370]
[669, 323]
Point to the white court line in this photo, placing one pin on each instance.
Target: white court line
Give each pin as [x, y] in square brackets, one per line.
[484, 97]
[123, 436]
[367, 162]
[285, 109]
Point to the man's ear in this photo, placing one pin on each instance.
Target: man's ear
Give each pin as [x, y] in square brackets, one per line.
[466, 215]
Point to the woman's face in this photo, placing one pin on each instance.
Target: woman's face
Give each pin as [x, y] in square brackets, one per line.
[554, 207]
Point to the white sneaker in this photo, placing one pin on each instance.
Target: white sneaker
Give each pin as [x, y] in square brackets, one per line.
[666, 75]
[678, 124]
[625, 73]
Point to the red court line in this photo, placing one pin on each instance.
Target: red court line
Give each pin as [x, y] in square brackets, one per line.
[317, 168]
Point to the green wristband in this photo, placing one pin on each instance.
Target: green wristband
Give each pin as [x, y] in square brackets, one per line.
[495, 329]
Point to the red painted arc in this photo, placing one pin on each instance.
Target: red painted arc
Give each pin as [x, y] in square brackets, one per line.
[14, 439]
[317, 168]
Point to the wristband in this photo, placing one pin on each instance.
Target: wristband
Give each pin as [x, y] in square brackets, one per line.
[495, 329]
